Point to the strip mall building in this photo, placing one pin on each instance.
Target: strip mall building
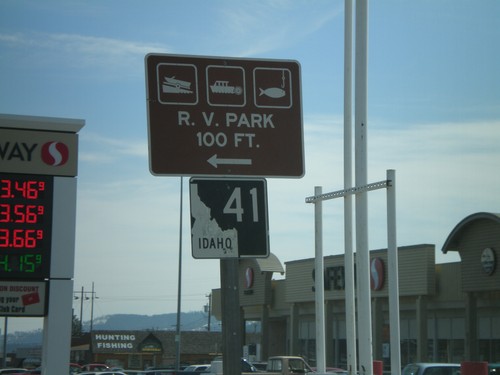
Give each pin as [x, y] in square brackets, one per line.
[449, 312]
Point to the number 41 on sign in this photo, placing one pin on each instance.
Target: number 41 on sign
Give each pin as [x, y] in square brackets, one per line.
[229, 218]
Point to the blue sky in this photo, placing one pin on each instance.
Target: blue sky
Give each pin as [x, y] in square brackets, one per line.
[433, 115]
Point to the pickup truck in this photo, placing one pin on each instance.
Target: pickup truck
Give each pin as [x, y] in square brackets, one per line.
[287, 365]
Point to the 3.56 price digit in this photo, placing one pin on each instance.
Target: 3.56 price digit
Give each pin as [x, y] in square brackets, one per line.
[20, 213]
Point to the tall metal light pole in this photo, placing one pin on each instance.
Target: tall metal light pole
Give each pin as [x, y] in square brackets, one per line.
[178, 325]
[350, 303]
[361, 177]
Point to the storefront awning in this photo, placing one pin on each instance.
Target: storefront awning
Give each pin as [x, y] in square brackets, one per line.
[270, 264]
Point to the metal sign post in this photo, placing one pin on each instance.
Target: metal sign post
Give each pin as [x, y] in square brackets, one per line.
[220, 116]
[390, 185]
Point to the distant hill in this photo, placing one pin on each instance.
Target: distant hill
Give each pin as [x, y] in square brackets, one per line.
[190, 321]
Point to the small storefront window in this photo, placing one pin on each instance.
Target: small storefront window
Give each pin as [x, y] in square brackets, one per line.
[134, 361]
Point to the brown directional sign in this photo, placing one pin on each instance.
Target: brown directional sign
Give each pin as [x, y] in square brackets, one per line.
[224, 116]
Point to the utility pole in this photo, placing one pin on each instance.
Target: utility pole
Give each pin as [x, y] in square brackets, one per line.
[209, 310]
[83, 296]
[92, 308]
[81, 310]
[5, 324]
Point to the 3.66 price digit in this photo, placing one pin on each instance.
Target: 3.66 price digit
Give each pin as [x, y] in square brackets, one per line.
[20, 238]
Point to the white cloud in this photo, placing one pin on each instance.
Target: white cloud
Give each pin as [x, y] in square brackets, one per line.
[261, 27]
[97, 148]
[83, 51]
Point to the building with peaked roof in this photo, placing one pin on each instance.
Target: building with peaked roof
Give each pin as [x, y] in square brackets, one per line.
[477, 240]
[141, 349]
[449, 312]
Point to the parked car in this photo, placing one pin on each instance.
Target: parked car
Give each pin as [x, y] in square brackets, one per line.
[333, 370]
[74, 368]
[216, 366]
[197, 368]
[494, 368]
[95, 367]
[102, 373]
[432, 369]
[261, 366]
[12, 370]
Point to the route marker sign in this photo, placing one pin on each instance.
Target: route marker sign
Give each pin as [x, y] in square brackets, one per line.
[229, 218]
[224, 116]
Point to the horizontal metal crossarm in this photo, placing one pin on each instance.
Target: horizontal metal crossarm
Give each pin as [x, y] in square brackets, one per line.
[350, 191]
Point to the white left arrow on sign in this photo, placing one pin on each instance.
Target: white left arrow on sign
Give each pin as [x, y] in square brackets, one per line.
[215, 161]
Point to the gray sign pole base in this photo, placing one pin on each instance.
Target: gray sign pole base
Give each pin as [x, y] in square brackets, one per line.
[231, 317]
[57, 328]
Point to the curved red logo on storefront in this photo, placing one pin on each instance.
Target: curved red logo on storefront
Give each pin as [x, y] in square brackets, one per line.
[376, 274]
[248, 278]
[55, 153]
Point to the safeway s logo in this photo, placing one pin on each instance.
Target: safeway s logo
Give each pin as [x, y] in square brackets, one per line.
[248, 278]
[376, 274]
[55, 153]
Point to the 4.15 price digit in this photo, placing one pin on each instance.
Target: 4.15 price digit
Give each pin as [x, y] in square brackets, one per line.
[4, 263]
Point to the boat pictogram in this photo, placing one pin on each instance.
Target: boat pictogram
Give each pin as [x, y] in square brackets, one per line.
[223, 87]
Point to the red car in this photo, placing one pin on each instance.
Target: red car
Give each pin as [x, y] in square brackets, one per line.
[74, 368]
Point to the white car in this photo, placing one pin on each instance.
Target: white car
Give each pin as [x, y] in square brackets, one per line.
[432, 369]
[197, 368]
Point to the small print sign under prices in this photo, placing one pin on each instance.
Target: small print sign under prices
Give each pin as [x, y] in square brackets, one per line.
[22, 298]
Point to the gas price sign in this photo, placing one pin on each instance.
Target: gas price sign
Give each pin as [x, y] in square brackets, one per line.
[25, 225]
